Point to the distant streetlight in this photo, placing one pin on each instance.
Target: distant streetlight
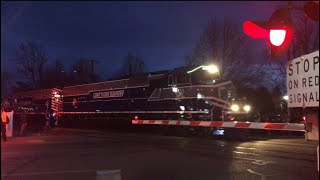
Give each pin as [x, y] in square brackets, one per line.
[285, 98]
[212, 69]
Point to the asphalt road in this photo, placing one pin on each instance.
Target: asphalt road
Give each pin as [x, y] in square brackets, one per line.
[86, 155]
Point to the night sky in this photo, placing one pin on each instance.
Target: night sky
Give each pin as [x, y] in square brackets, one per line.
[162, 33]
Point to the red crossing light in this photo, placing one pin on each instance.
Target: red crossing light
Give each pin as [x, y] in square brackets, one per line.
[278, 30]
[254, 30]
[277, 36]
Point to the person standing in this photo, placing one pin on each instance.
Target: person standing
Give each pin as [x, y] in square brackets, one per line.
[4, 121]
[23, 122]
[47, 126]
[47, 118]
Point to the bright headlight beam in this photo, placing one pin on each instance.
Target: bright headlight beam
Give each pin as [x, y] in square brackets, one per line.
[212, 69]
[174, 89]
[235, 107]
[247, 108]
[199, 96]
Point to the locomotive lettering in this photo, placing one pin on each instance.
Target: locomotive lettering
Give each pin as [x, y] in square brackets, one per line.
[108, 94]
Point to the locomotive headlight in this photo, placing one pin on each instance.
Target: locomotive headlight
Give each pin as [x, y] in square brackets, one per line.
[200, 96]
[235, 107]
[212, 69]
[174, 89]
[247, 108]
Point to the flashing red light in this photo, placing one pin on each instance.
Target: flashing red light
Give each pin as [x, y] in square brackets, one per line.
[135, 117]
[278, 30]
[304, 118]
[254, 30]
[277, 36]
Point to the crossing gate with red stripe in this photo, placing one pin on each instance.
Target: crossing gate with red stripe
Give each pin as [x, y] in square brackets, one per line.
[56, 99]
[223, 124]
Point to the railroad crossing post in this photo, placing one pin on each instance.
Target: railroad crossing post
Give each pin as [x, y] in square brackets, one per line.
[318, 157]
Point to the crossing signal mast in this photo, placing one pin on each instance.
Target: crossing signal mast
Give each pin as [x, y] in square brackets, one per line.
[279, 28]
[279, 31]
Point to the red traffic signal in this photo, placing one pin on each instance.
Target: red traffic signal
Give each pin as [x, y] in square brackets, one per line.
[278, 30]
[281, 31]
[277, 36]
[255, 29]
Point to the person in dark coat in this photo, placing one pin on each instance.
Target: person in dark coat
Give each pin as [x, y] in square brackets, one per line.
[4, 121]
[23, 122]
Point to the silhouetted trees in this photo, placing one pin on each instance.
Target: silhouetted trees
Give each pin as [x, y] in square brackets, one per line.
[56, 75]
[259, 98]
[132, 65]
[6, 78]
[83, 71]
[224, 44]
[31, 58]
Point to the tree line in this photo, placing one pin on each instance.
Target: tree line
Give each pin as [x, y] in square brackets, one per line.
[31, 59]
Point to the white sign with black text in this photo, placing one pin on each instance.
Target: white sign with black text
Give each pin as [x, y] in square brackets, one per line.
[303, 81]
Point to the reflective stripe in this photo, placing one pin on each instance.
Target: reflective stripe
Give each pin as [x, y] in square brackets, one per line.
[139, 112]
[245, 125]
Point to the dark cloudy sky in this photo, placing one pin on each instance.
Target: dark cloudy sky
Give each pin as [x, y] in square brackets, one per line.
[162, 33]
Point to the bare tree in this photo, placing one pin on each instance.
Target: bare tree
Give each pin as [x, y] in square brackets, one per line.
[83, 71]
[6, 78]
[55, 76]
[31, 58]
[132, 65]
[225, 45]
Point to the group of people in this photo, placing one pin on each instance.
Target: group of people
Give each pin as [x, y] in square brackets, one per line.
[23, 120]
[5, 121]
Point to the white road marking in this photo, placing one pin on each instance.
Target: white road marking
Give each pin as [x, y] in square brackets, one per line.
[109, 175]
[48, 172]
[239, 147]
[260, 162]
[239, 152]
[255, 161]
[263, 176]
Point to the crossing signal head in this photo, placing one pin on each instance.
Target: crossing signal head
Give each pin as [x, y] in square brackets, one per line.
[278, 30]
[277, 36]
[256, 29]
